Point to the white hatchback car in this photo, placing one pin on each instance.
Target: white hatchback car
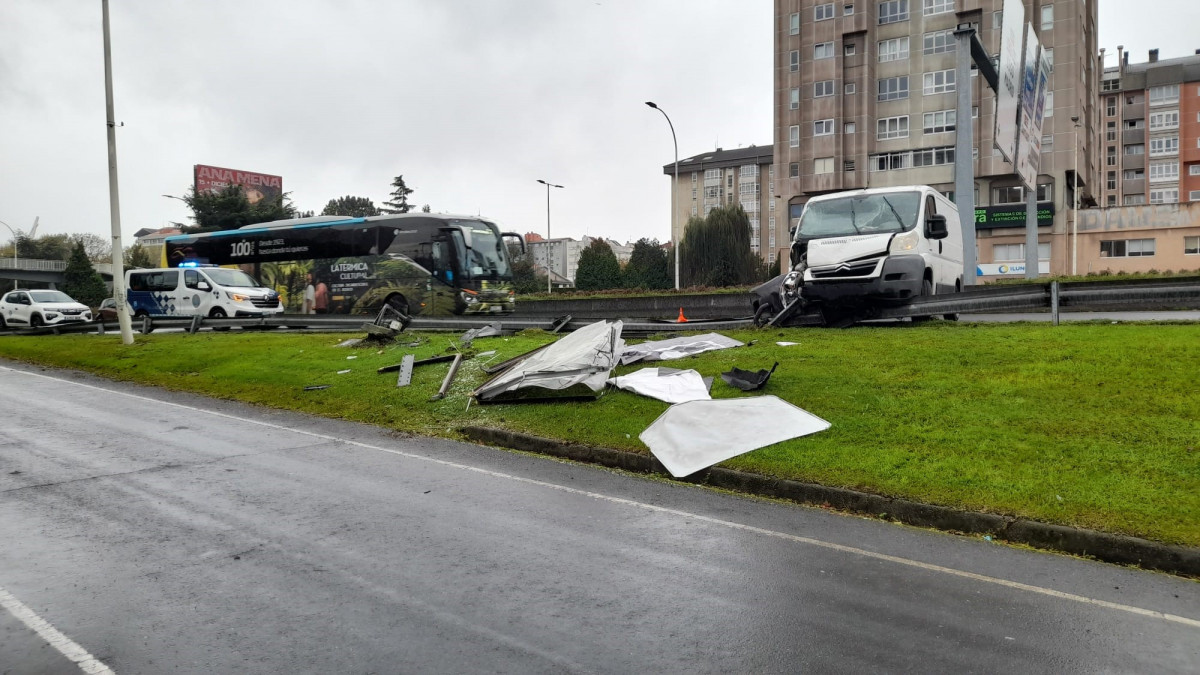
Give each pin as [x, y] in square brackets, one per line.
[34, 308]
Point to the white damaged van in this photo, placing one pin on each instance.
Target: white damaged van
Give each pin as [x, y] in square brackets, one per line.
[214, 292]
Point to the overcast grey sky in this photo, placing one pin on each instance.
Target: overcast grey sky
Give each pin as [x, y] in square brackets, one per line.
[471, 100]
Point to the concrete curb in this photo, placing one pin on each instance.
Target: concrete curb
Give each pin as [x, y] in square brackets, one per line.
[1103, 546]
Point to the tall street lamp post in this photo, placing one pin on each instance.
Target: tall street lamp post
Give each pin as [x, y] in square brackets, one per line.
[1075, 204]
[674, 188]
[549, 278]
[16, 283]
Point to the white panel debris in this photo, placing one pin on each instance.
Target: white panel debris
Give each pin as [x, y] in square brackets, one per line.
[577, 365]
[677, 348]
[692, 436]
[665, 384]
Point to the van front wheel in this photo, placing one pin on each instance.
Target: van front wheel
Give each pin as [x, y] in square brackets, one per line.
[218, 313]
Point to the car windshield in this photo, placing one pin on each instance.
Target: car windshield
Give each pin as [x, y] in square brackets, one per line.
[860, 214]
[231, 278]
[486, 257]
[50, 296]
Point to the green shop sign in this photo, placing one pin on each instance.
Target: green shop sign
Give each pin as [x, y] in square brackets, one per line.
[1012, 215]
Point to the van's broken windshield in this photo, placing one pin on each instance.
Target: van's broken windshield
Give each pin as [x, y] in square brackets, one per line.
[860, 214]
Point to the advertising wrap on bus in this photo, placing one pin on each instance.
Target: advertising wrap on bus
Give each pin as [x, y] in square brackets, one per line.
[426, 264]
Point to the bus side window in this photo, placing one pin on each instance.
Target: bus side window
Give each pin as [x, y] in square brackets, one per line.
[441, 260]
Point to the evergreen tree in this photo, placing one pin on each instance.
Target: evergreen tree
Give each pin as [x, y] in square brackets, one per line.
[82, 281]
[648, 266]
[598, 268]
[715, 250]
[774, 270]
[355, 207]
[45, 247]
[229, 209]
[137, 257]
[526, 280]
[399, 198]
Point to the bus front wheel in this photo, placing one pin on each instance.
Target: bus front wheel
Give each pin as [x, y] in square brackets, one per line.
[398, 303]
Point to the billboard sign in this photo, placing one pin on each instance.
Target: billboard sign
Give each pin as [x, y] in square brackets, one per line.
[1009, 95]
[990, 217]
[257, 186]
[1033, 107]
[1013, 269]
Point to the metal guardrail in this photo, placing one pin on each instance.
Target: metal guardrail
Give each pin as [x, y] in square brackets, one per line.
[1112, 296]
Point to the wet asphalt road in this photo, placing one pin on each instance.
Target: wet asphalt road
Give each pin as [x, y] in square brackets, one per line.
[161, 537]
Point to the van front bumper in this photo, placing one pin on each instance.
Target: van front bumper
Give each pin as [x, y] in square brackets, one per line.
[900, 280]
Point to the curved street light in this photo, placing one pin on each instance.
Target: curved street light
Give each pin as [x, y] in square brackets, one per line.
[549, 278]
[674, 188]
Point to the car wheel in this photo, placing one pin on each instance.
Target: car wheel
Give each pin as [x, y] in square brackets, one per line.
[218, 313]
[35, 321]
[926, 291]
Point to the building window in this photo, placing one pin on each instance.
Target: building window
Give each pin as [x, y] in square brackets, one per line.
[1048, 17]
[1191, 245]
[1048, 54]
[794, 170]
[823, 128]
[1164, 196]
[1016, 194]
[938, 42]
[822, 50]
[794, 103]
[1164, 120]
[1194, 170]
[895, 49]
[1135, 149]
[848, 49]
[1047, 144]
[695, 177]
[712, 175]
[794, 58]
[850, 128]
[1126, 248]
[1110, 85]
[937, 7]
[939, 122]
[1133, 200]
[822, 88]
[997, 20]
[848, 9]
[1112, 180]
[1110, 133]
[893, 88]
[1135, 124]
[823, 12]
[1164, 146]
[1112, 200]
[1133, 174]
[939, 82]
[1110, 107]
[822, 165]
[1111, 159]
[1049, 107]
[1168, 93]
[891, 127]
[1016, 252]
[907, 159]
[893, 11]
[1161, 172]
[794, 136]
[850, 89]
[794, 25]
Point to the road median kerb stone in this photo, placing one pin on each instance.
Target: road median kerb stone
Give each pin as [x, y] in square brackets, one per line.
[1113, 548]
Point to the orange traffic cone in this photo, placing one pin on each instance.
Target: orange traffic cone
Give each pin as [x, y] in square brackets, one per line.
[682, 318]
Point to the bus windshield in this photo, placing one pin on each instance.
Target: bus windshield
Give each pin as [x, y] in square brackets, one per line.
[860, 214]
[231, 278]
[485, 256]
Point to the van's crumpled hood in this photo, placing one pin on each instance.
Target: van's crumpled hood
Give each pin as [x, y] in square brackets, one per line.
[831, 251]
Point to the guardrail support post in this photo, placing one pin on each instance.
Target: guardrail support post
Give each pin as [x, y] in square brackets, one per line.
[147, 325]
[1054, 302]
[195, 325]
[100, 327]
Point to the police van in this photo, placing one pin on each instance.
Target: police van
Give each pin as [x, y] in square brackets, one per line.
[214, 292]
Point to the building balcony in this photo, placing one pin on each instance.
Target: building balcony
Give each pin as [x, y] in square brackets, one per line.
[1129, 136]
[1133, 111]
[1133, 161]
[1136, 186]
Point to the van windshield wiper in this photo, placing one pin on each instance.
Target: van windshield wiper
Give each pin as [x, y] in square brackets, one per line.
[899, 221]
[854, 218]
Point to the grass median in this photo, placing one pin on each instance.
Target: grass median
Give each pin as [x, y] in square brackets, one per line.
[1091, 425]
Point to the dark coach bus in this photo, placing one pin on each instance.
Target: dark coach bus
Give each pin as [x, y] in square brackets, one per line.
[420, 263]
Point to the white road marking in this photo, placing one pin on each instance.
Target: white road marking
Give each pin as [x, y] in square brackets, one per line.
[65, 645]
[662, 509]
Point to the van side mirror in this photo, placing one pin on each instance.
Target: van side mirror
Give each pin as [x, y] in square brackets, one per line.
[203, 286]
[935, 227]
[792, 231]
